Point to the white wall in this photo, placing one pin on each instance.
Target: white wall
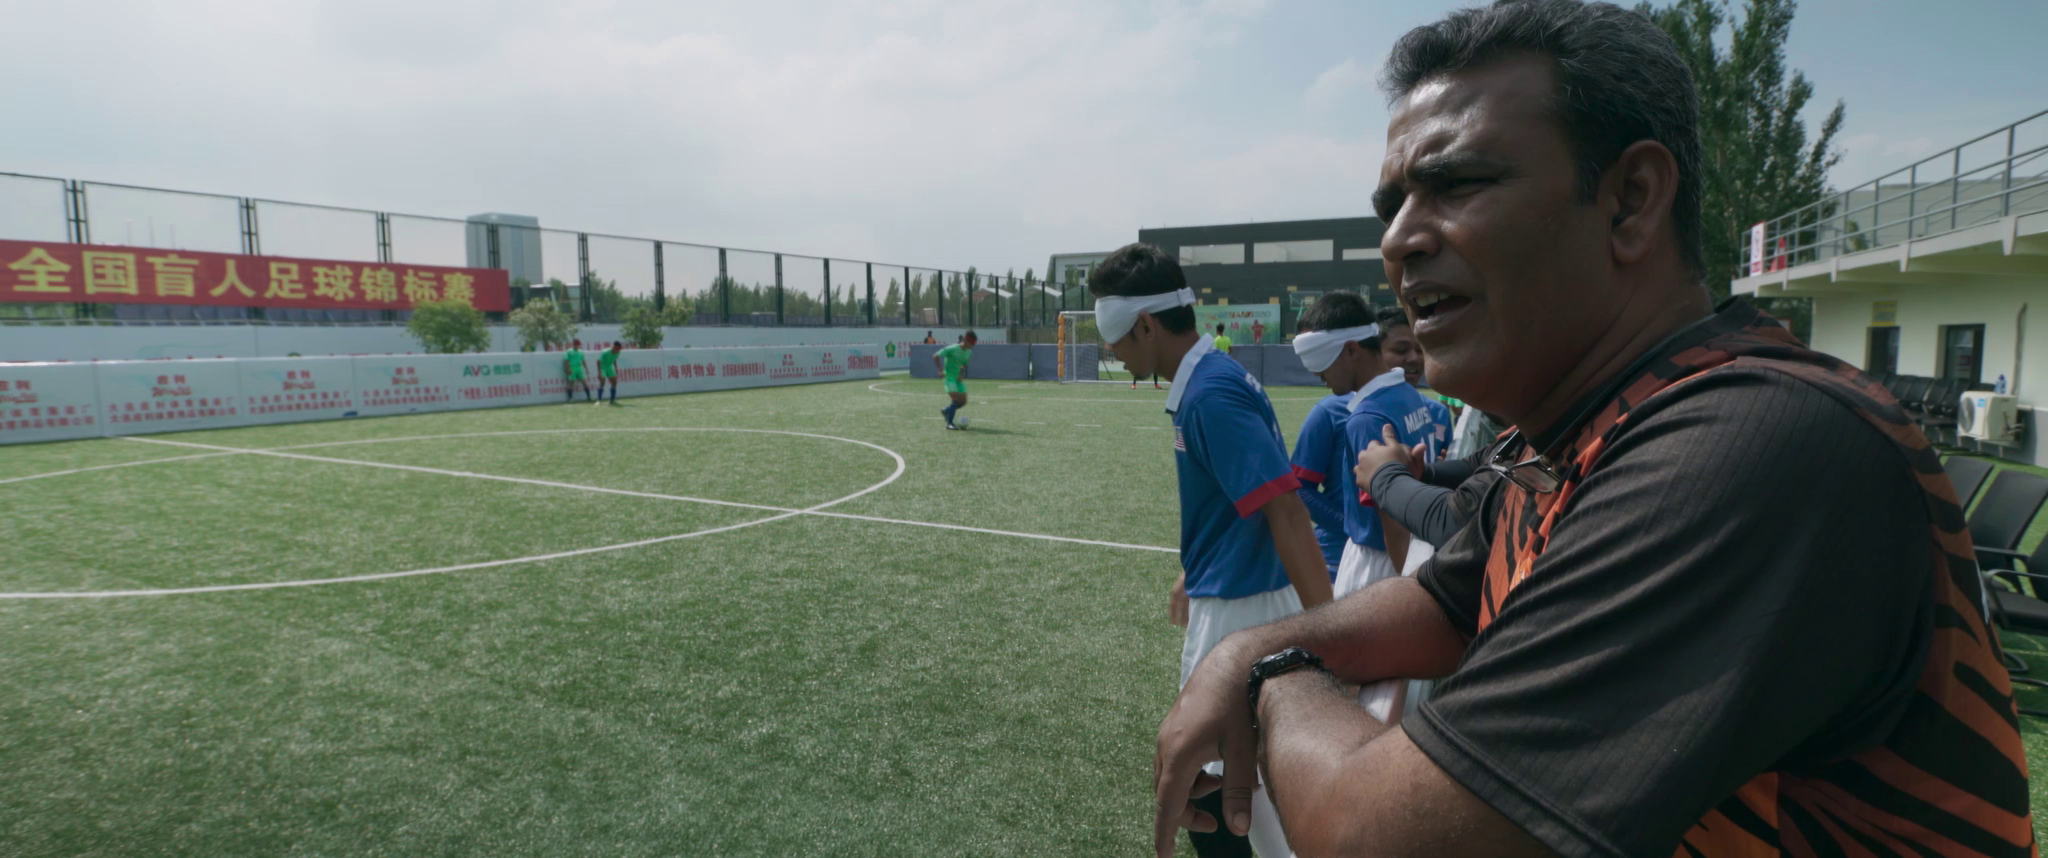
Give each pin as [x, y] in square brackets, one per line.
[1841, 325]
[157, 342]
[57, 401]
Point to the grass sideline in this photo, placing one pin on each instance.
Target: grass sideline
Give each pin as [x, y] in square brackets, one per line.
[806, 686]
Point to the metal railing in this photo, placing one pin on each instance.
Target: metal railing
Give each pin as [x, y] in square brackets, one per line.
[1986, 179]
[601, 274]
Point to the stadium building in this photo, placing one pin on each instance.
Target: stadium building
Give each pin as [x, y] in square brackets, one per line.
[1285, 264]
[1926, 277]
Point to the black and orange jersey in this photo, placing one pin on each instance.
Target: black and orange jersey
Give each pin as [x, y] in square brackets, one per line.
[1747, 624]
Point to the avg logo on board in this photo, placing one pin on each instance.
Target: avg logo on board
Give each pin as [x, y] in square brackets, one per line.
[482, 369]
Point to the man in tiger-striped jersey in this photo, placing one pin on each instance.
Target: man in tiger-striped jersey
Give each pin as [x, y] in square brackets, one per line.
[1721, 601]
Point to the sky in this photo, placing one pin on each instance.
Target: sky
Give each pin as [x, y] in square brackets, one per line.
[990, 133]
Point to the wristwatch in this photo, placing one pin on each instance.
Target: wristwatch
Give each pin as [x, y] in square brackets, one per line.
[1291, 658]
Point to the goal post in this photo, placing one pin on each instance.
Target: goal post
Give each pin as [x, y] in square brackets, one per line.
[1083, 357]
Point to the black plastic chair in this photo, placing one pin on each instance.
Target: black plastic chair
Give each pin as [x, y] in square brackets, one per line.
[2009, 504]
[2001, 518]
[1967, 474]
[2012, 608]
[1910, 391]
[1941, 407]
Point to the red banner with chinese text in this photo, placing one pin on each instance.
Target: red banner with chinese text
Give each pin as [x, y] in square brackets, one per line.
[99, 273]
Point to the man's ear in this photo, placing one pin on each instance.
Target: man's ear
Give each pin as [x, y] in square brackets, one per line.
[1639, 190]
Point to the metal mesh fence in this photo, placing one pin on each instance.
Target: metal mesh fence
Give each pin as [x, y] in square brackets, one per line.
[317, 232]
[597, 277]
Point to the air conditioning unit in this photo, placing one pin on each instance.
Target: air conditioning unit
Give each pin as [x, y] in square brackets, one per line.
[1989, 417]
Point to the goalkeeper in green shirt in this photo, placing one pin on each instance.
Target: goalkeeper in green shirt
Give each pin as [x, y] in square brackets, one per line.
[573, 367]
[608, 371]
[952, 363]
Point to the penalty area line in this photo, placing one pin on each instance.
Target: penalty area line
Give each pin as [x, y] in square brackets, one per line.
[783, 511]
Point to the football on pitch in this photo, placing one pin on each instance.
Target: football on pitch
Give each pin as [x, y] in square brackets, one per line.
[961, 422]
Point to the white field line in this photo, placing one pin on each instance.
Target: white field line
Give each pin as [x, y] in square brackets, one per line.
[817, 510]
[113, 466]
[781, 512]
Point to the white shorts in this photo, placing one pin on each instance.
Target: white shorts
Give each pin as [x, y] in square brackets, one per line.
[1387, 700]
[1209, 622]
[1212, 620]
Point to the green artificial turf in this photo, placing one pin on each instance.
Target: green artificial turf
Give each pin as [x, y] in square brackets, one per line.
[807, 685]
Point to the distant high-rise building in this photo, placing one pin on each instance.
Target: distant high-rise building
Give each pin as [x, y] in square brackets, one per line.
[518, 245]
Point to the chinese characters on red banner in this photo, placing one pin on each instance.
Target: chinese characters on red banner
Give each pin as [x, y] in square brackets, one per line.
[58, 272]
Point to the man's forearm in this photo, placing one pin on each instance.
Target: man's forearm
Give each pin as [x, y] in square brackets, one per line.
[1346, 784]
[1311, 734]
[1392, 629]
[1397, 540]
[1294, 537]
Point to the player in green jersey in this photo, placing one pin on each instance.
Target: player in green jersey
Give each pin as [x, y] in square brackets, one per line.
[574, 368]
[952, 363]
[608, 371]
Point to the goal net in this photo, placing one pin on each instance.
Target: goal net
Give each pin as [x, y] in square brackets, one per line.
[1083, 356]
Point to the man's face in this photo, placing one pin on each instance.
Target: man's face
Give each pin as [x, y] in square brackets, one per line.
[967, 344]
[1135, 349]
[1398, 349]
[1351, 370]
[1507, 277]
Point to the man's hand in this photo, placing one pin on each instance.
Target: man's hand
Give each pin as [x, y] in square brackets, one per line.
[1378, 454]
[1211, 720]
[1177, 602]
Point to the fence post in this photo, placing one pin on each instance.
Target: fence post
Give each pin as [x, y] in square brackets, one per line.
[940, 294]
[76, 229]
[778, 289]
[2005, 194]
[660, 287]
[724, 291]
[585, 309]
[870, 314]
[251, 243]
[828, 292]
[906, 296]
[383, 237]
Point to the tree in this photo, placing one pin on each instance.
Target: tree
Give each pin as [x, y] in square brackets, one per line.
[1758, 162]
[542, 325]
[604, 299]
[449, 327]
[642, 328]
[679, 312]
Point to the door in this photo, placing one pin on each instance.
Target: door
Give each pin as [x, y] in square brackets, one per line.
[1962, 353]
[1883, 353]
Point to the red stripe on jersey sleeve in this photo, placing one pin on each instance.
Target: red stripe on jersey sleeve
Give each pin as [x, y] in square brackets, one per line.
[1307, 476]
[1279, 486]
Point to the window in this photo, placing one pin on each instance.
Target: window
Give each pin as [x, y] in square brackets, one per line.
[1322, 250]
[1212, 254]
[1361, 253]
[1962, 353]
[1883, 354]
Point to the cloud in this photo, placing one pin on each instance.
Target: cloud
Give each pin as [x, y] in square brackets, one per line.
[1336, 84]
[980, 132]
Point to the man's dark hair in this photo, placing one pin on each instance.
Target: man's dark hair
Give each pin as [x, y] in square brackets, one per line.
[970, 335]
[1337, 310]
[1618, 79]
[1391, 317]
[1219, 328]
[1143, 269]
